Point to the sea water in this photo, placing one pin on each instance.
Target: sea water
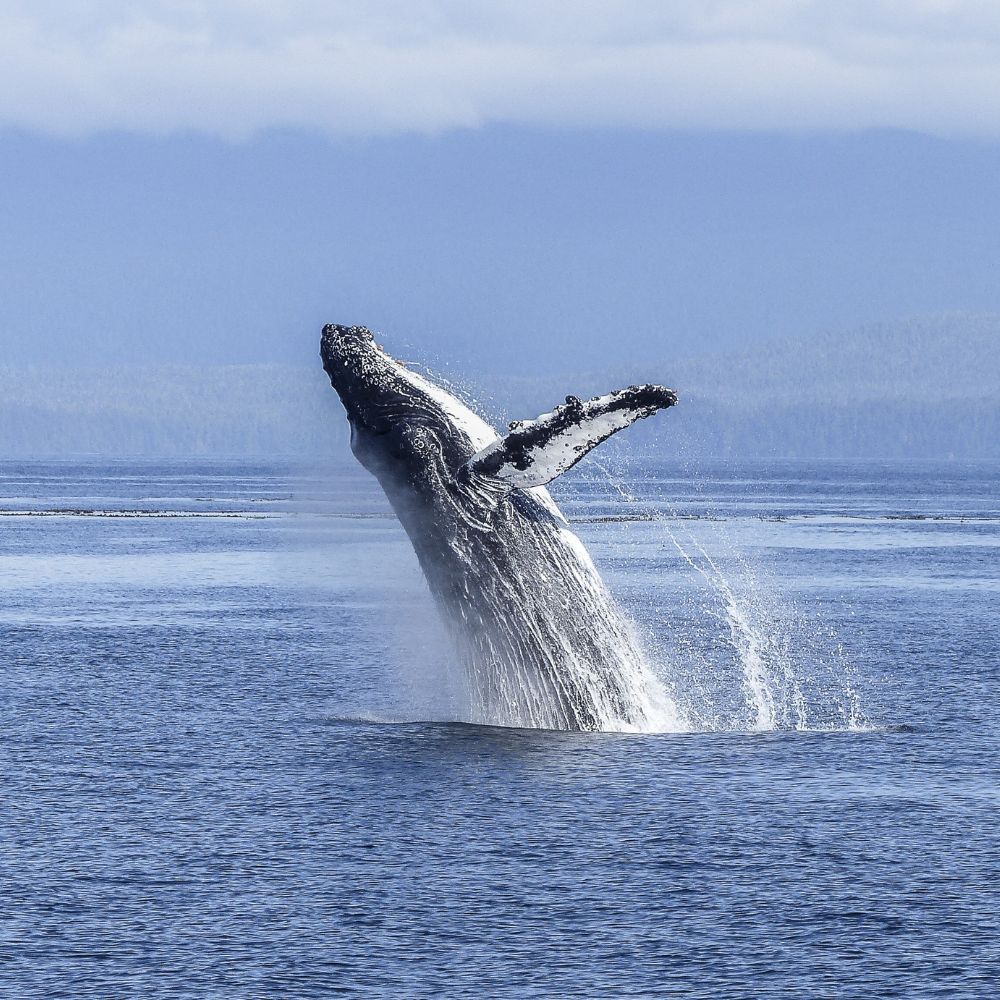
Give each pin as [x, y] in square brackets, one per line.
[234, 762]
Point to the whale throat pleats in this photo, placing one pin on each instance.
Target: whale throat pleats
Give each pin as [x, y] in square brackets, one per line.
[536, 451]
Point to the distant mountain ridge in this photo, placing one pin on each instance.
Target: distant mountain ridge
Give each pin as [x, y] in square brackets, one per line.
[957, 356]
[923, 388]
[176, 411]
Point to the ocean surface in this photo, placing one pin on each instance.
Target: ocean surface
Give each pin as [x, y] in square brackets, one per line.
[233, 761]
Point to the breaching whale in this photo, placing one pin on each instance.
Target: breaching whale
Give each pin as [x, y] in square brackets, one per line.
[543, 642]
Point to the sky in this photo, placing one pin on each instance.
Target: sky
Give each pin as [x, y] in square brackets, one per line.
[489, 184]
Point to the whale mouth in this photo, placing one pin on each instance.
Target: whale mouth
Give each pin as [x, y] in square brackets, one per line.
[361, 372]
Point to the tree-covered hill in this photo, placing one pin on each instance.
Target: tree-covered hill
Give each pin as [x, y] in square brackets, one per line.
[927, 388]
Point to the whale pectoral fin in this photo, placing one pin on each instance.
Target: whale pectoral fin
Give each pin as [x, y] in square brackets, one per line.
[536, 451]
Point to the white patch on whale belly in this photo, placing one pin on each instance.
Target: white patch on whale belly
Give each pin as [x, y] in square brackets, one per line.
[579, 549]
[481, 434]
[542, 495]
[478, 431]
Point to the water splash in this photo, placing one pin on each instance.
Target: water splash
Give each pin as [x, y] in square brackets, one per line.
[741, 657]
[773, 695]
[559, 654]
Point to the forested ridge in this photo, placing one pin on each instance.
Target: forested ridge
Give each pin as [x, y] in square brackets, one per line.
[927, 388]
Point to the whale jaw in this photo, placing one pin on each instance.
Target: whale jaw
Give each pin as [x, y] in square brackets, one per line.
[350, 359]
[405, 429]
[364, 376]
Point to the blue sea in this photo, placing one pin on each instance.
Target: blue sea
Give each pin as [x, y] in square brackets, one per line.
[233, 761]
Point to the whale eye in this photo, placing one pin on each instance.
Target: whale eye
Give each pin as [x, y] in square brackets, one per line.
[380, 425]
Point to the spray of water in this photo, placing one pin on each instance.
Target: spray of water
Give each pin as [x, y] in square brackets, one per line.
[741, 657]
[721, 651]
[552, 649]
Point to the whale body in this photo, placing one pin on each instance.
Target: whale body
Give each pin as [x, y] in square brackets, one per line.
[542, 640]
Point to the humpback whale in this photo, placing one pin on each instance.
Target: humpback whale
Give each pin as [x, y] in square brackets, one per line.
[543, 642]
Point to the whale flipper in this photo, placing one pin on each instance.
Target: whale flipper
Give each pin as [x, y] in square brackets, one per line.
[536, 451]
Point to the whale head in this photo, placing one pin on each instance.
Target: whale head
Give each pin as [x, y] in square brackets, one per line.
[403, 426]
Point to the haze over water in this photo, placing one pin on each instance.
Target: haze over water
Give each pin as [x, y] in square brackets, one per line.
[229, 768]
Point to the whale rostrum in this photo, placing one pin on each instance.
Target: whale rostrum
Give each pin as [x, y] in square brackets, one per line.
[542, 641]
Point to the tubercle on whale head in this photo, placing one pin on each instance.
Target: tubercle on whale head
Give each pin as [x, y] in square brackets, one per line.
[345, 347]
[399, 421]
[358, 368]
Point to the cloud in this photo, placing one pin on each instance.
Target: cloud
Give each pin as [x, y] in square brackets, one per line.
[234, 67]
